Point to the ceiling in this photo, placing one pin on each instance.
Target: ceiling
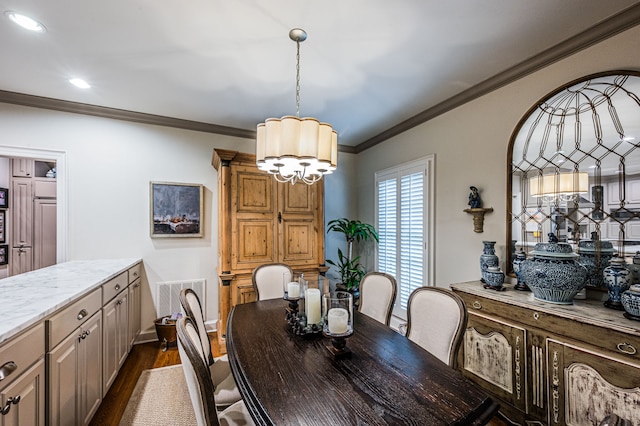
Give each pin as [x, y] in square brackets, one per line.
[368, 67]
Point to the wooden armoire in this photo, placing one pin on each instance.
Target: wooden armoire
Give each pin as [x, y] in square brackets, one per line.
[263, 221]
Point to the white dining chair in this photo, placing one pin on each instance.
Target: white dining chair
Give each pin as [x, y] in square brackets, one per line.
[437, 319]
[199, 383]
[226, 389]
[377, 296]
[268, 280]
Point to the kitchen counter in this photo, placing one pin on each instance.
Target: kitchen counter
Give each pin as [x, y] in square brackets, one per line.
[30, 297]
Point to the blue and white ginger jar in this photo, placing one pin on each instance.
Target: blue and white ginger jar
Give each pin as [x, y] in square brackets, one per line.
[552, 274]
[595, 255]
[617, 278]
[494, 277]
[630, 300]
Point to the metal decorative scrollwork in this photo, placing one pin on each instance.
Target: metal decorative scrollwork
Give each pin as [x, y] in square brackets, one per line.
[585, 129]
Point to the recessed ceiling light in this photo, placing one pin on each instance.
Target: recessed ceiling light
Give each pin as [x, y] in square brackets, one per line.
[78, 82]
[25, 22]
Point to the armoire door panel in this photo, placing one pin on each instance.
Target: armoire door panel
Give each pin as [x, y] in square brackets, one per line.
[298, 244]
[298, 198]
[253, 192]
[253, 244]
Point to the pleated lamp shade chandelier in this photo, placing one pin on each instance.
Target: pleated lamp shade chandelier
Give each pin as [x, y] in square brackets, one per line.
[295, 149]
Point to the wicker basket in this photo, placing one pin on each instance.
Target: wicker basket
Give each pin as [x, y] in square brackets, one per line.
[166, 332]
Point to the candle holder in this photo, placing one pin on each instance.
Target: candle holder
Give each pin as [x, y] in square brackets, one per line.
[338, 323]
[298, 311]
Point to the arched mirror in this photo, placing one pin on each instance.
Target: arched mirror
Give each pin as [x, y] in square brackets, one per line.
[574, 166]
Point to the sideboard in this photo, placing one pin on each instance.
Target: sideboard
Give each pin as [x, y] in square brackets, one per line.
[551, 364]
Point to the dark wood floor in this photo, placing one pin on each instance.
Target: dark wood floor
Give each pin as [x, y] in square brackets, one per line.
[143, 357]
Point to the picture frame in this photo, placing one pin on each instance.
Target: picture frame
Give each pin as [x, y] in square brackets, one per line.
[4, 254]
[4, 198]
[176, 210]
[3, 226]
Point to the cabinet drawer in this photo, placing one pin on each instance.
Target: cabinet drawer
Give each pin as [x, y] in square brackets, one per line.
[44, 189]
[64, 322]
[134, 272]
[114, 286]
[20, 353]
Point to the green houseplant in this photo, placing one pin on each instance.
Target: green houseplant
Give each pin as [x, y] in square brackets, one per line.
[350, 269]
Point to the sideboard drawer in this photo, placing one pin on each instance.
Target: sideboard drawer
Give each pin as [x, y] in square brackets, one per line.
[17, 355]
[134, 272]
[64, 322]
[114, 286]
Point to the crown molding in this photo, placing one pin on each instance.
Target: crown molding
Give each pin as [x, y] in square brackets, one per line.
[616, 24]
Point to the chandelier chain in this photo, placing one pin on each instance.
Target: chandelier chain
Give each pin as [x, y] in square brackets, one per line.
[297, 78]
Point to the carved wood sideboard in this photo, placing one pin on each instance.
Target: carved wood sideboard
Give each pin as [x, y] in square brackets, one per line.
[551, 364]
[263, 221]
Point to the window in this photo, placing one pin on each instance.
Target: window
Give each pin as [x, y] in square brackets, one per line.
[404, 208]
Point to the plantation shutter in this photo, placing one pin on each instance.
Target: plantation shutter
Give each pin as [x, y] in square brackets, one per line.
[401, 223]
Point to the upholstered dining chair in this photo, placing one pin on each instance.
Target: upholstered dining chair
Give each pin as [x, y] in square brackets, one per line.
[226, 389]
[377, 296]
[268, 280]
[437, 319]
[199, 383]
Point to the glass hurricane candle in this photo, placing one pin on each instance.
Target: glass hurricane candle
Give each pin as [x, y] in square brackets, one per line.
[338, 324]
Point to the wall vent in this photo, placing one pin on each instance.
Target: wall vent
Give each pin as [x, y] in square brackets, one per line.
[168, 296]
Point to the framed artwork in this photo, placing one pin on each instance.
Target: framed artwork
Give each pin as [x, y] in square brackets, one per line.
[3, 221]
[4, 254]
[176, 210]
[4, 198]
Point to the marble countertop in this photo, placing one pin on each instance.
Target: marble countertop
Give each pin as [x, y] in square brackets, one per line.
[30, 297]
[585, 311]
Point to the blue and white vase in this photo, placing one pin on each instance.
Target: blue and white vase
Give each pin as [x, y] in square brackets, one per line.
[631, 302]
[493, 278]
[488, 257]
[552, 274]
[617, 278]
[517, 261]
[595, 255]
[635, 268]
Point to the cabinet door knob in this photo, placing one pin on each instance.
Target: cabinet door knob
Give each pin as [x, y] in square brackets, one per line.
[7, 368]
[627, 348]
[477, 305]
[83, 313]
[117, 287]
[12, 400]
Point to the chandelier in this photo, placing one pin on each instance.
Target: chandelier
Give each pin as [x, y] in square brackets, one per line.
[563, 186]
[295, 149]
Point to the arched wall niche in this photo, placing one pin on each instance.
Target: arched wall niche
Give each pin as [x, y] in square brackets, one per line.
[574, 166]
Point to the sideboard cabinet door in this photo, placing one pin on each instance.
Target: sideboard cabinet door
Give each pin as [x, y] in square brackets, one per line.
[494, 356]
[585, 385]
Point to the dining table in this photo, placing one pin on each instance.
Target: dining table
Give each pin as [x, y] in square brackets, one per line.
[290, 379]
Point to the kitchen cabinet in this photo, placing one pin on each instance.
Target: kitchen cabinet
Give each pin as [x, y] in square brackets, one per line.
[75, 376]
[44, 232]
[135, 300]
[22, 167]
[263, 221]
[32, 218]
[22, 213]
[115, 315]
[551, 364]
[22, 389]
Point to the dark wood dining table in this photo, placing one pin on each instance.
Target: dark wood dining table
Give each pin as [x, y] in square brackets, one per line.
[286, 379]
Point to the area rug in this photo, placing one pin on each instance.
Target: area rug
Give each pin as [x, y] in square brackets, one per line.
[161, 397]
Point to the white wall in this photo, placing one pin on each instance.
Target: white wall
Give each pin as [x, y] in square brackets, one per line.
[110, 164]
[470, 146]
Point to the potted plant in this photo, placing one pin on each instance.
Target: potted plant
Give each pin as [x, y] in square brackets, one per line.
[350, 269]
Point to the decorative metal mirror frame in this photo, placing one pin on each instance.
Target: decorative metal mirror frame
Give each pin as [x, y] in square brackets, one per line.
[571, 154]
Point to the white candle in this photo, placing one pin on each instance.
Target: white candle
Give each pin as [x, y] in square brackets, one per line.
[338, 319]
[293, 289]
[312, 304]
